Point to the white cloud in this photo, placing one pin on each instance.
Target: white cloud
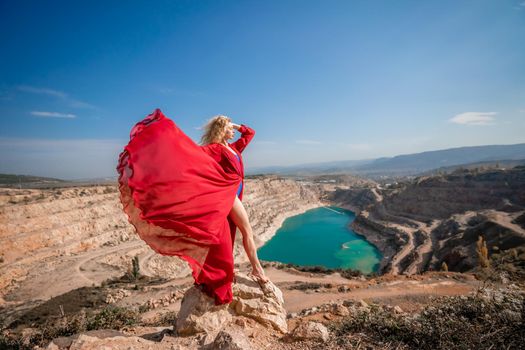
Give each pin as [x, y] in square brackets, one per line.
[53, 115]
[42, 91]
[80, 104]
[308, 142]
[474, 118]
[58, 94]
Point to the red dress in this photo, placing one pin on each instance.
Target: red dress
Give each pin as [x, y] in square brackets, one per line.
[178, 196]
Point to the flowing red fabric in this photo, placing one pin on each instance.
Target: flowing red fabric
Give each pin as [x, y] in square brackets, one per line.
[178, 197]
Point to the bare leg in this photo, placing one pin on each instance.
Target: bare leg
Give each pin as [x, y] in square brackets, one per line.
[240, 218]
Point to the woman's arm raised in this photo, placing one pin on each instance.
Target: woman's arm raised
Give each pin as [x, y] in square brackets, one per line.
[247, 135]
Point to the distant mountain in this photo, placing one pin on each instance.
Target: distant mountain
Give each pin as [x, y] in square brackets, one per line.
[30, 181]
[419, 162]
[16, 179]
[500, 163]
[310, 168]
[409, 164]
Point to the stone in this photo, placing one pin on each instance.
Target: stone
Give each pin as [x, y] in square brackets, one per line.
[398, 309]
[363, 304]
[230, 339]
[86, 342]
[198, 313]
[52, 346]
[310, 330]
[265, 307]
[339, 310]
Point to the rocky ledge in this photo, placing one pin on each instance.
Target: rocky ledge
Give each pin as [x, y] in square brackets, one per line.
[430, 221]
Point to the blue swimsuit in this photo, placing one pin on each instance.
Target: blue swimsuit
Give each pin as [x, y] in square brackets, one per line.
[240, 185]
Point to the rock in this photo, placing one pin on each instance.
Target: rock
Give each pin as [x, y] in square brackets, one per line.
[363, 304]
[339, 310]
[198, 313]
[267, 308]
[86, 342]
[230, 339]
[398, 309]
[349, 302]
[65, 342]
[52, 346]
[164, 301]
[344, 289]
[310, 330]
[117, 295]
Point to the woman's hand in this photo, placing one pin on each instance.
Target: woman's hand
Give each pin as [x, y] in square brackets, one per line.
[235, 126]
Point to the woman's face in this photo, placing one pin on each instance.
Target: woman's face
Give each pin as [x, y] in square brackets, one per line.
[229, 133]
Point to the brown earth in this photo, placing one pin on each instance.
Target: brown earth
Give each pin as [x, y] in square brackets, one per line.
[61, 247]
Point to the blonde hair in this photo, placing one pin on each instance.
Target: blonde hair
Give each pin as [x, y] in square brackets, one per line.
[215, 129]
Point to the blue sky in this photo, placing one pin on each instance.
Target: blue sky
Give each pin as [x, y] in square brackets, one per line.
[317, 80]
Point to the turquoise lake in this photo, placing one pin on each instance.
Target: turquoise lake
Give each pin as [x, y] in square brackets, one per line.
[321, 236]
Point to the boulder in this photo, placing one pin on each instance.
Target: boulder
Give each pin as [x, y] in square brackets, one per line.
[230, 339]
[398, 309]
[363, 304]
[265, 307]
[86, 342]
[339, 310]
[199, 314]
[310, 330]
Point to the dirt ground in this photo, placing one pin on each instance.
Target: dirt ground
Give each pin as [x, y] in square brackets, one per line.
[411, 293]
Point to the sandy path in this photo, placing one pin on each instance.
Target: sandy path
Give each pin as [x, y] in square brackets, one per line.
[51, 279]
[411, 293]
[505, 220]
[378, 196]
[408, 297]
[408, 293]
[424, 250]
[407, 248]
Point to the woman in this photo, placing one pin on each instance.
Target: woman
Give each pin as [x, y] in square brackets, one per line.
[217, 132]
[182, 201]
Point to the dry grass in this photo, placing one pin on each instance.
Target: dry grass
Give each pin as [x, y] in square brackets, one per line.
[489, 319]
[108, 318]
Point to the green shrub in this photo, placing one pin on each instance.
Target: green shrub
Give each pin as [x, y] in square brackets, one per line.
[310, 285]
[113, 318]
